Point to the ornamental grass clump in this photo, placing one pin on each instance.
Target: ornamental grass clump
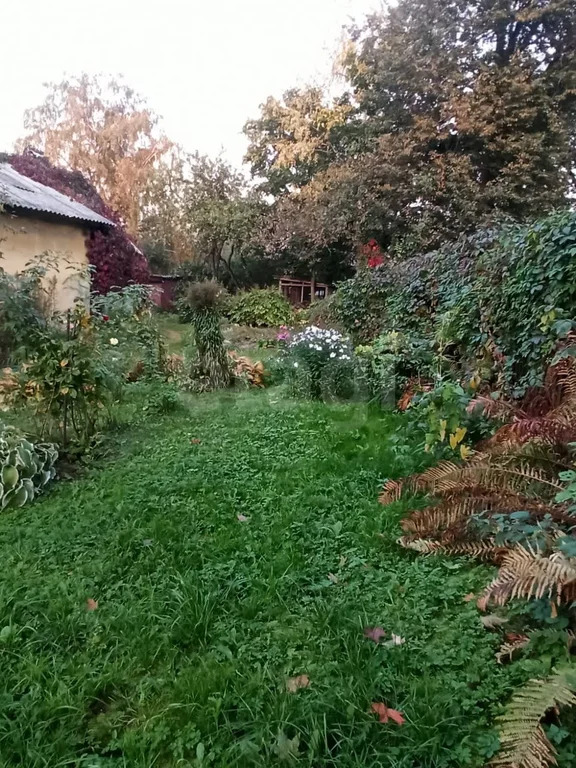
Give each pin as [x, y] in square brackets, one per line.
[212, 367]
[319, 363]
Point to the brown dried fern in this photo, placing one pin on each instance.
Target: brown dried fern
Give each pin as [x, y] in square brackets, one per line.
[525, 573]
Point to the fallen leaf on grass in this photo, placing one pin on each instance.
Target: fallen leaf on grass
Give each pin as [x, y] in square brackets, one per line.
[395, 640]
[91, 605]
[374, 633]
[469, 597]
[333, 578]
[195, 441]
[242, 518]
[492, 621]
[293, 684]
[385, 713]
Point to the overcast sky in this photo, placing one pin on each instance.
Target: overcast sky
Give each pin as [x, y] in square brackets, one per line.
[204, 65]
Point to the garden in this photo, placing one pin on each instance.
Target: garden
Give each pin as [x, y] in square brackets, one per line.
[249, 535]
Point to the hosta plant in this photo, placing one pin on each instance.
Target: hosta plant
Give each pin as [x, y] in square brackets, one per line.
[25, 468]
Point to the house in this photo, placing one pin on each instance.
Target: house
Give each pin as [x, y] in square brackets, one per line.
[36, 220]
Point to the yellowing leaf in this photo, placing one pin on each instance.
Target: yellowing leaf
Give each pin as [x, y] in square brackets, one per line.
[443, 425]
[63, 363]
[457, 436]
[465, 451]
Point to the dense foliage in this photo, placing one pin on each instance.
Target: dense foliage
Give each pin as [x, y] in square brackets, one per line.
[495, 305]
[259, 307]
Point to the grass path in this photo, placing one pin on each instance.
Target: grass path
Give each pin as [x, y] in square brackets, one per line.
[201, 618]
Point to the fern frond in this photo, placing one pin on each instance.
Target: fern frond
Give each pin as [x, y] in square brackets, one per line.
[498, 478]
[495, 409]
[486, 549]
[508, 649]
[556, 429]
[523, 741]
[455, 508]
[525, 573]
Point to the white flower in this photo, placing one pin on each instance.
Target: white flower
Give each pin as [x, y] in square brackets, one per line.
[332, 354]
[295, 365]
[114, 342]
[311, 346]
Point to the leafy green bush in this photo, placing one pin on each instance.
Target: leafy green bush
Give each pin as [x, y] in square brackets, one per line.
[260, 307]
[496, 303]
[21, 311]
[386, 365]
[25, 468]
[321, 313]
[442, 414]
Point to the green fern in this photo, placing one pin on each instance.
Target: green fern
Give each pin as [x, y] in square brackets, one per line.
[523, 741]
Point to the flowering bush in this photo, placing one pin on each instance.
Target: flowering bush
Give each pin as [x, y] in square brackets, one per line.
[319, 363]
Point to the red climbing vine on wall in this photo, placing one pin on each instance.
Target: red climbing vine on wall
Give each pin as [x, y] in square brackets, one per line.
[114, 256]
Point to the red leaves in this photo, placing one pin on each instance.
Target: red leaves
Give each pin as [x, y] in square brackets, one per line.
[386, 713]
[375, 261]
[374, 633]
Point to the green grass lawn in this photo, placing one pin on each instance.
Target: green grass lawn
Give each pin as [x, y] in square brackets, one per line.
[202, 617]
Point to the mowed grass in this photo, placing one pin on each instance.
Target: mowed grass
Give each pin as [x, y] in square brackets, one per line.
[202, 618]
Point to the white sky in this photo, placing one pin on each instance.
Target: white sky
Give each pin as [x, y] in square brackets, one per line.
[204, 65]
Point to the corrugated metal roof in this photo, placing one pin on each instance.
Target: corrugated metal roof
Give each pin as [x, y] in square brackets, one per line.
[19, 191]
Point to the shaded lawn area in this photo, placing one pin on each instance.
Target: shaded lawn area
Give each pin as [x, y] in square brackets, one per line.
[201, 618]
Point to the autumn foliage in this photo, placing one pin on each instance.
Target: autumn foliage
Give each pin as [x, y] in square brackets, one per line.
[114, 255]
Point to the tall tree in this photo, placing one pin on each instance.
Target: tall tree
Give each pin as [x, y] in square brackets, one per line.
[295, 137]
[104, 129]
[465, 110]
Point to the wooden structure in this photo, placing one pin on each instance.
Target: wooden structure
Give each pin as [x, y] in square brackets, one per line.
[302, 292]
[163, 288]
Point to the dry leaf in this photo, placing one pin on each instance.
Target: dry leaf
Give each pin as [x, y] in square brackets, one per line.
[242, 518]
[395, 640]
[386, 713]
[342, 561]
[91, 605]
[195, 441]
[469, 597]
[333, 578]
[293, 684]
[492, 621]
[374, 633]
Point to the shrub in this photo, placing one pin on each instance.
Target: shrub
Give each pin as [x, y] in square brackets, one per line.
[66, 383]
[322, 313]
[21, 311]
[260, 307]
[319, 363]
[25, 468]
[394, 359]
[125, 318]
